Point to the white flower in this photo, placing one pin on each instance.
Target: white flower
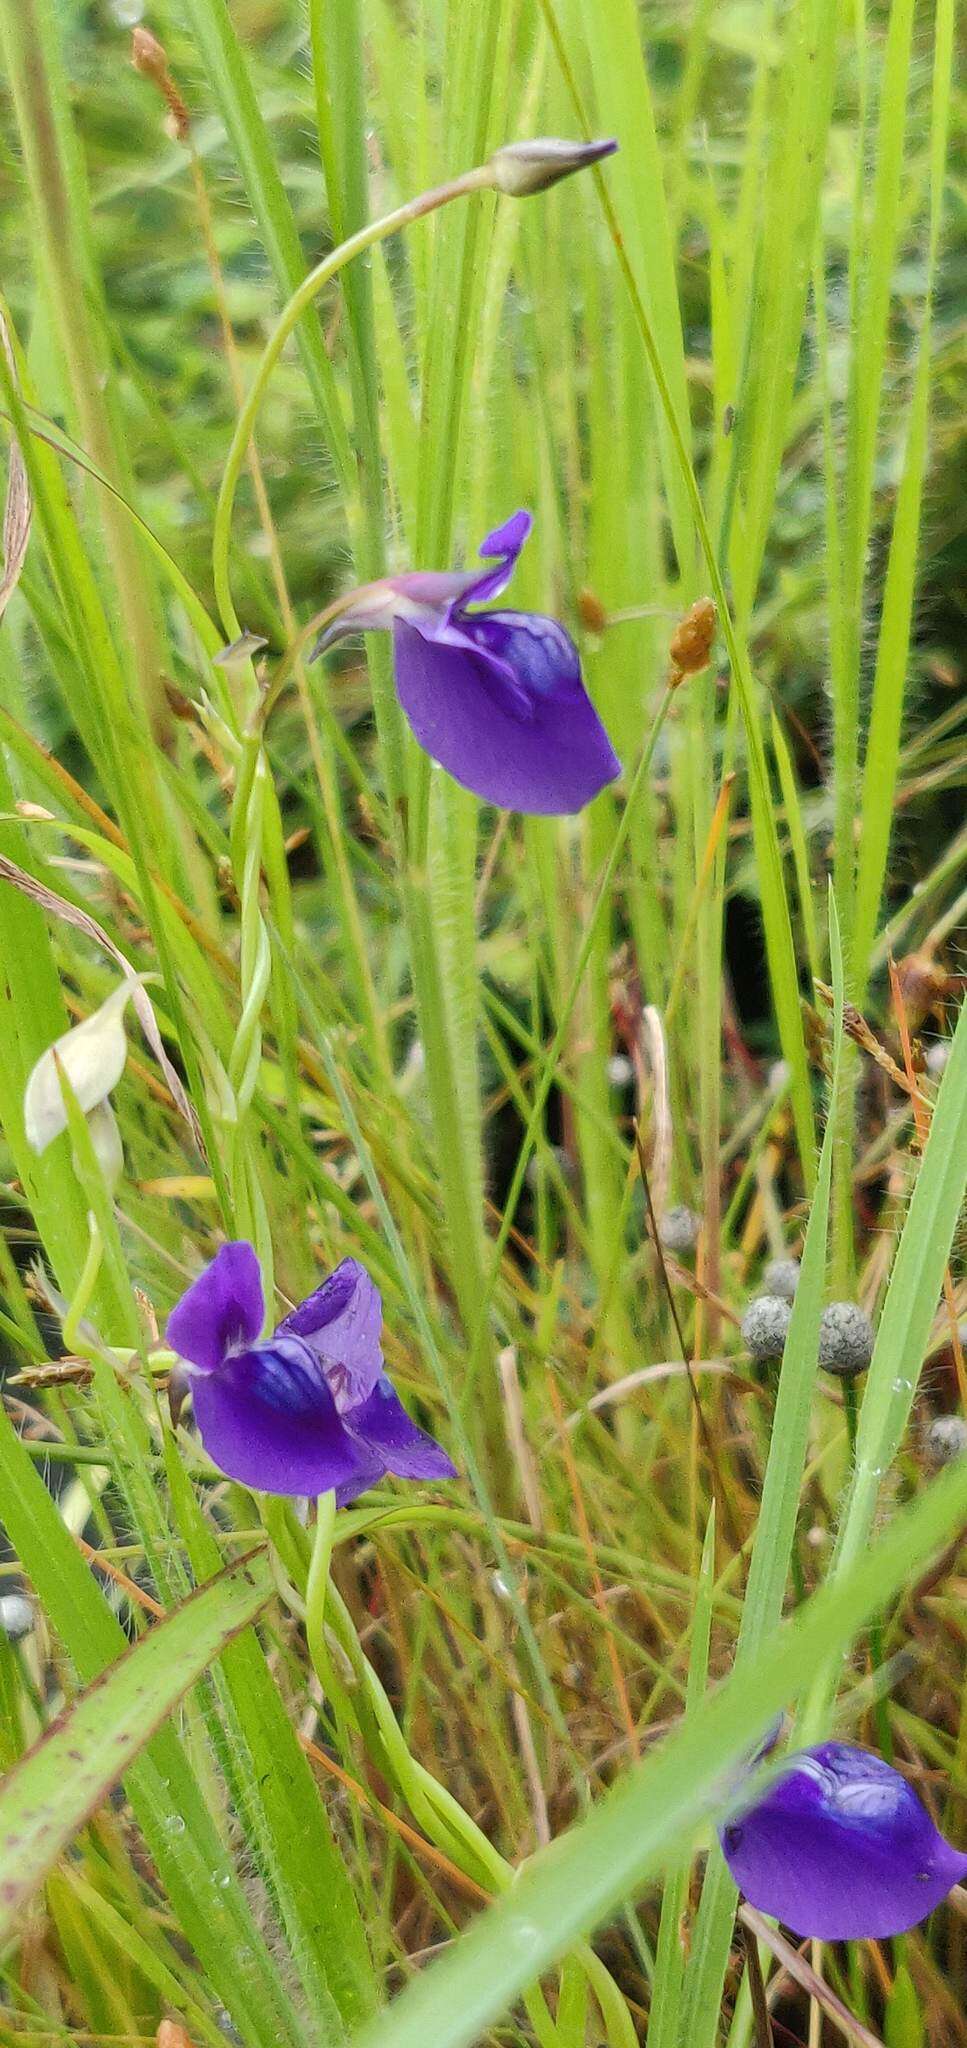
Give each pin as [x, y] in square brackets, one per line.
[91, 1056]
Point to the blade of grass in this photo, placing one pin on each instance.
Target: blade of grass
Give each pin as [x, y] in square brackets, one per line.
[916, 1285]
[893, 641]
[61, 1782]
[166, 1798]
[774, 1537]
[303, 1866]
[642, 1825]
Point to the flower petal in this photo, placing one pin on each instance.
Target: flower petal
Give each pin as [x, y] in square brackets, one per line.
[267, 1418]
[505, 543]
[342, 1323]
[221, 1312]
[501, 705]
[384, 1430]
[840, 1848]
[427, 594]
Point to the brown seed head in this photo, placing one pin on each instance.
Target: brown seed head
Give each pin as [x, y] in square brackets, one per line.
[591, 611]
[691, 642]
[149, 58]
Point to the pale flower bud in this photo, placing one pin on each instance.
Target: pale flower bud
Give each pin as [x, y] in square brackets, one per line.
[521, 168]
[91, 1056]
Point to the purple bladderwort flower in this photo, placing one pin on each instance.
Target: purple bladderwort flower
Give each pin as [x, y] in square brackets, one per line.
[309, 1409]
[839, 1847]
[496, 697]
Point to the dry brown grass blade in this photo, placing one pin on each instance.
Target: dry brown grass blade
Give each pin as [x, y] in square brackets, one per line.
[806, 1977]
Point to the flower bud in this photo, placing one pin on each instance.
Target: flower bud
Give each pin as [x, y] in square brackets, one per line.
[845, 1339]
[765, 1325]
[521, 168]
[91, 1056]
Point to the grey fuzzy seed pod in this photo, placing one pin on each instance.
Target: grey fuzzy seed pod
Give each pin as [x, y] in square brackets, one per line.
[678, 1228]
[781, 1276]
[16, 1616]
[946, 1439]
[764, 1326]
[845, 1339]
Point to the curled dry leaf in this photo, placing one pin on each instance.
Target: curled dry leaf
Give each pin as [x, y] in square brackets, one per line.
[17, 509]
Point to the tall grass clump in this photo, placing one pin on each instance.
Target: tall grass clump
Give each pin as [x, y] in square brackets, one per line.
[615, 1078]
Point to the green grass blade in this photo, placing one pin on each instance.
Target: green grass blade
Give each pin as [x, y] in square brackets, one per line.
[302, 1864]
[610, 31]
[55, 1789]
[908, 1314]
[643, 1824]
[167, 1799]
[774, 1539]
[893, 642]
[228, 74]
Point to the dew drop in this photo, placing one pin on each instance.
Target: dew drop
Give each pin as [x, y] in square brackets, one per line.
[525, 1935]
[174, 1825]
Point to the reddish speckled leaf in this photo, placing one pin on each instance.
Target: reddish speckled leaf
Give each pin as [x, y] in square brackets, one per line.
[64, 1778]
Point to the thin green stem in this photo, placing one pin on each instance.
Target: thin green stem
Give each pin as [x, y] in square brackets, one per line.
[602, 901]
[477, 180]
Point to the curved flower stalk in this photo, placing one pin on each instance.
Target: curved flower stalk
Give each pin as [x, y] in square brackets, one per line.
[308, 1410]
[496, 697]
[517, 170]
[839, 1847]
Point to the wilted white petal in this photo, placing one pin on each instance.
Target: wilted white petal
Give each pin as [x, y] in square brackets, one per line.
[106, 1140]
[92, 1056]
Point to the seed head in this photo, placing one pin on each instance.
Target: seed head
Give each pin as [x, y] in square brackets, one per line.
[781, 1276]
[765, 1325]
[16, 1617]
[691, 643]
[679, 1228]
[845, 1339]
[946, 1439]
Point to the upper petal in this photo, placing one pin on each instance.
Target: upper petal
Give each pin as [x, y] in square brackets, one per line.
[342, 1323]
[500, 703]
[222, 1310]
[385, 1432]
[430, 595]
[505, 544]
[840, 1848]
[268, 1419]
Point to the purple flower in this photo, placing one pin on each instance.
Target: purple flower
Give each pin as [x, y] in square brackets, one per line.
[308, 1409]
[496, 697]
[840, 1848]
